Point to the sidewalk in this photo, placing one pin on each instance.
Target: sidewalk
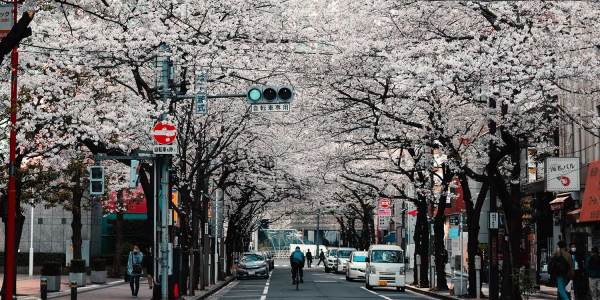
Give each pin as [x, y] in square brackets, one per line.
[545, 292]
[29, 287]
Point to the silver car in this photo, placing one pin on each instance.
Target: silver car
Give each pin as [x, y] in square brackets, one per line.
[252, 265]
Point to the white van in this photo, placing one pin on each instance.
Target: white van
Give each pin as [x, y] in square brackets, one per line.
[385, 267]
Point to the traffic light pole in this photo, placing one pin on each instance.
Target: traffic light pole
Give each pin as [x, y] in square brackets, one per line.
[11, 209]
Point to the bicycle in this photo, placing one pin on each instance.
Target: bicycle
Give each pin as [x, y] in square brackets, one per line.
[296, 274]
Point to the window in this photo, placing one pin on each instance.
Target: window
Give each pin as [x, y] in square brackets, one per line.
[386, 256]
[40, 221]
[359, 258]
[63, 221]
[344, 253]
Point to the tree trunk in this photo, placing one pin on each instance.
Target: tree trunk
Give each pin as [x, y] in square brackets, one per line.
[441, 255]
[118, 229]
[421, 238]
[76, 222]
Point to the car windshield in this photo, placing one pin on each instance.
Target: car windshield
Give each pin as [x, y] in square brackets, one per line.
[386, 256]
[344, 253]
[332, 252]
[359, 258]
[252, 258]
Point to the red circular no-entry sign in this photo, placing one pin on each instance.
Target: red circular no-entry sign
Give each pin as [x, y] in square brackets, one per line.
[164, 132]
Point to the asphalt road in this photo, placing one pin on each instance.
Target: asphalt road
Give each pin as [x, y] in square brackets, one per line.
[317, 285]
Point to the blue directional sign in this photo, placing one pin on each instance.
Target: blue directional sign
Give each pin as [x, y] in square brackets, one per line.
[200, 102]
[200, 90]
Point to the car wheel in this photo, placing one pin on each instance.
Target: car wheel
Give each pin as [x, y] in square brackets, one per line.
[327, 269]
[367, 286]
[267, 276]
[348, 278]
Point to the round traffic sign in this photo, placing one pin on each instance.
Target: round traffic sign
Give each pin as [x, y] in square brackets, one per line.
[384, 203]
[164, 132]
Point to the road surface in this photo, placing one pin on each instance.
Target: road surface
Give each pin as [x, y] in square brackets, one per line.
[317, 285]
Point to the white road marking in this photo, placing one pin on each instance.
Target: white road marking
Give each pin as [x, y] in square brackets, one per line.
[266, 290]
[374, 293]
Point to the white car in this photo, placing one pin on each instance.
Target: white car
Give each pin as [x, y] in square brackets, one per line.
[343, 254]
[385, 267]
[356, 265]
[330, 259]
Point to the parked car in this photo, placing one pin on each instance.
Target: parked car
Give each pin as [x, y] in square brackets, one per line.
[269, 258]
[330, 259]
[343, 254]
[356, 265]
[252, 265]
[385, 267]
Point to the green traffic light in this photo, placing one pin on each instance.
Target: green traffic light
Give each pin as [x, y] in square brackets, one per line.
[254, 95]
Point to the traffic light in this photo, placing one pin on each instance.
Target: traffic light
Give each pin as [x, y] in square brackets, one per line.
[96, 180]
[270, 94]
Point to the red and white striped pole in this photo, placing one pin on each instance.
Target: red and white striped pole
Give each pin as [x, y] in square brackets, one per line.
[11, 211]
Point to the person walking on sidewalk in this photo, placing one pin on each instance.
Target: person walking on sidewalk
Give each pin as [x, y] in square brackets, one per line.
[309, 258]
[134, 269]
[593, 270]
[321, 258]
[561, 268]
[149, 266]
[580, 280]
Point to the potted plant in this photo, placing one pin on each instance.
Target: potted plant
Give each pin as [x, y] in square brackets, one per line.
[98, 270]
[77, 272]
[51, 271]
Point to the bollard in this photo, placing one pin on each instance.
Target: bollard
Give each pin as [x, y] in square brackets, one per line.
[418, 261]
[44, 288]
[73, 286]
[477, 276]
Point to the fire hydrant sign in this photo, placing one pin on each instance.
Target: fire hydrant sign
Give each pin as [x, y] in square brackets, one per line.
[562, 174]
[165, 135]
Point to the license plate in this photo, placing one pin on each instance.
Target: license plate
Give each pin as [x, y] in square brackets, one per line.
[251, 272]
[382, 283]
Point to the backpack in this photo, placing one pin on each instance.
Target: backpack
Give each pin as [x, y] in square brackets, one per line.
[297, 256]
[558, 266]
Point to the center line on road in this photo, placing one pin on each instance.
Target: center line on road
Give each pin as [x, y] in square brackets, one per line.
[266, 290]
[374, 293]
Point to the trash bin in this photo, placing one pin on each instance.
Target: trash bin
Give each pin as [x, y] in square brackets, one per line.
[458, 287]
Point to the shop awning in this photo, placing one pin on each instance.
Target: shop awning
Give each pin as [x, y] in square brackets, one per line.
[590, 208]
[559, 201]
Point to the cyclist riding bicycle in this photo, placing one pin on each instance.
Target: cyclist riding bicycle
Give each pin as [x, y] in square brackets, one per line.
[297, 263]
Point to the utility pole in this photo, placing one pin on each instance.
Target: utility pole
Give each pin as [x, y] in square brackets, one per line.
[318, 229]
[164, 179]
[493, 232]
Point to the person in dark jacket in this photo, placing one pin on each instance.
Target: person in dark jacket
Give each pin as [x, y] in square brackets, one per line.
[309, 258]
[297, 262]
[580, 280]
[592, 267]
[321, 258]
[561, 268]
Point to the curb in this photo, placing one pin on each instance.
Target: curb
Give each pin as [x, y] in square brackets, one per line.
[215, 288]
[85, 289]
[428, 293]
